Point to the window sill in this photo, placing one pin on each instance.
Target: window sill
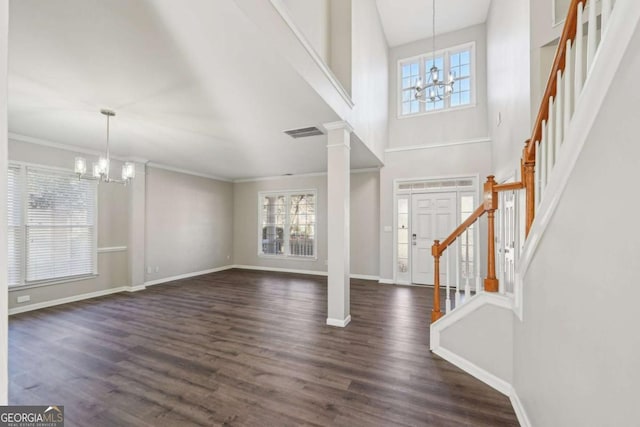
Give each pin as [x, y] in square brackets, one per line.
[429, 113]
[53, 282]
[289, 257]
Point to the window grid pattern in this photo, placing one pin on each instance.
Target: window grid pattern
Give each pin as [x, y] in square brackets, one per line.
[458, 62]
[460, 66]
[288, 224]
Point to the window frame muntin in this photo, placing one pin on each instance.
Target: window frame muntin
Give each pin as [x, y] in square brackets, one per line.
[286, 255]
[446, 52]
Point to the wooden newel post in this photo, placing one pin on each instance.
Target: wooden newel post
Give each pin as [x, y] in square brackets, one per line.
[490, 206]
[435, 251]
[528, 177]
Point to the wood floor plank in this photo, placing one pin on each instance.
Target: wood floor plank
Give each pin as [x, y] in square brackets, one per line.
[245, 348]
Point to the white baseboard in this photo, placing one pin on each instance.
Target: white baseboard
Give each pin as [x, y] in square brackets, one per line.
[60, 301]
[364, 277]
[280, 270]
[297, 271]
[338, 322]
[486, 377]
[136, 288]
[187, 275]
[386, 281]
[518, 408]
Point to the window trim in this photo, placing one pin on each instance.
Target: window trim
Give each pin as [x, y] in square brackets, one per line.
[446, 52]
[286, 255]
[23, 226]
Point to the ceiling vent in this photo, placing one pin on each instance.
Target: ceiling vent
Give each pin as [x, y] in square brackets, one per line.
[304, 132]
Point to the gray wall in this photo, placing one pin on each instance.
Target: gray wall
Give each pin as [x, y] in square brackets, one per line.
[455, 160]
[112, 229]
[508, 82]
[189, 223]
[490, 348]
[364, 222]
[576, 355]
[434, 128]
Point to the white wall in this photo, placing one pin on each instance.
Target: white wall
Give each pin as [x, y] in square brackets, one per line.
[113, 202]
[4, 37]
[447, 126]
[456, 160]
[189, 223]
[364, 222]
[576, 353]
[369, 76]
[340, 41]
[508, 82]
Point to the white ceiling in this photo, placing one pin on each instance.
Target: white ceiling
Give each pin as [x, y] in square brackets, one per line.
[194, 86]
[406, 21]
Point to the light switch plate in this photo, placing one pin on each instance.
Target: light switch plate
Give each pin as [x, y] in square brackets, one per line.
[387, 229]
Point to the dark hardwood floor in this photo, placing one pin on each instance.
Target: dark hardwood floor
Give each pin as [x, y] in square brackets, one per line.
[245, 348]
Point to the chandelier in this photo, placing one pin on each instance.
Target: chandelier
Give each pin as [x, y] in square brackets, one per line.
[434, 89]
[100, 169]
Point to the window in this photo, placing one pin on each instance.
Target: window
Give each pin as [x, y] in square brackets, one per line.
[52, 232]
[458, 61]
[287, 224]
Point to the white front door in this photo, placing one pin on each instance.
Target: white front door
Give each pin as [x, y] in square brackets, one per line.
[433, 217]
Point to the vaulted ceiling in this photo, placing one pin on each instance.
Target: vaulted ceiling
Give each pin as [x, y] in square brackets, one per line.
[193, 83]
[405, 21]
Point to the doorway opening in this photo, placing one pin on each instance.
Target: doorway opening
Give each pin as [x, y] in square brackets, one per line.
[426, 209]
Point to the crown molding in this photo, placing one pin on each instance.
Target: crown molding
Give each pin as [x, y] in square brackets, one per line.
[301, 175]
[187, 172]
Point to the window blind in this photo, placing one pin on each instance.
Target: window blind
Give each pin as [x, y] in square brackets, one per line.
[15, 231]
[60, 225]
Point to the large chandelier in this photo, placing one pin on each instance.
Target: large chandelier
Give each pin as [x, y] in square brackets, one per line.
[434, 89]
[100, 169]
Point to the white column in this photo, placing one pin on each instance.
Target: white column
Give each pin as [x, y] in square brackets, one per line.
[338, 212]
[137, 225]
[4, 348]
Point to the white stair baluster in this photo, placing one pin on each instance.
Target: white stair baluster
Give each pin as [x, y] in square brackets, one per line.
[568, 87]
[448, 301]
[476, 252]
[559, 124]
[592, 32]
[457, 243]
[543, 159]
[537, 177]
[551, 138]
[467, 286]
[579, 54]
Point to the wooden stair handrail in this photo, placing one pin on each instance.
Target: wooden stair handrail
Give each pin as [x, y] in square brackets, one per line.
[568, 33]
[461, 228]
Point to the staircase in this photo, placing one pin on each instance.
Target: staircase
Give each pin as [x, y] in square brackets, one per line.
[578, 48]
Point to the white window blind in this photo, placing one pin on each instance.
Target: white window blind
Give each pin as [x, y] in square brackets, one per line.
[288, 224]
[15, 231]
[52, 229]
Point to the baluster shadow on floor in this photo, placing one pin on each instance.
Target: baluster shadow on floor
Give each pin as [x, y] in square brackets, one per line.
[245, 348]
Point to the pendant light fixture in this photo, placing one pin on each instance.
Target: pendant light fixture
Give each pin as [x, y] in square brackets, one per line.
[100, 169]
[434, 89]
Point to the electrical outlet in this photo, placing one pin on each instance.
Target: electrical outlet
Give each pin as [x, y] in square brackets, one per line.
[149, 270]
[23, 298]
